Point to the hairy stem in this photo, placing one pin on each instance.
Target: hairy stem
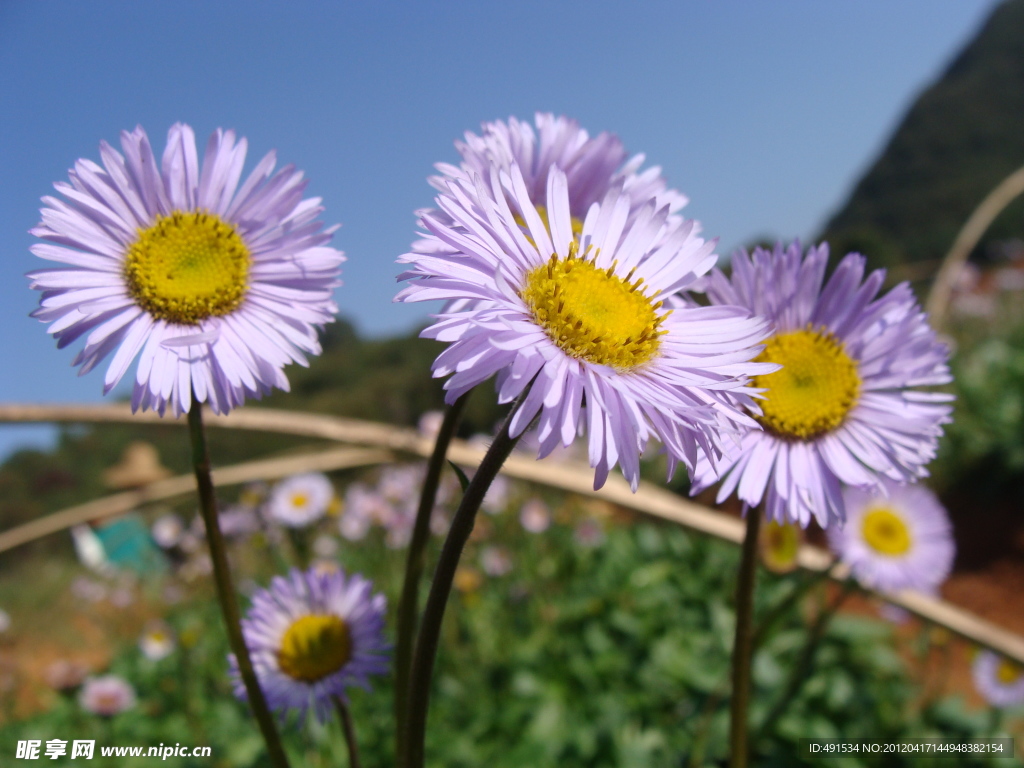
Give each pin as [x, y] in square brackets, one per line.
[742, 650]
[430, 628]
[408, 604]
[226, 590]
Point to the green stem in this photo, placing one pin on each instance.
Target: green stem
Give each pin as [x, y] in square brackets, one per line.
[743, 646]
[802, 669]
[226, 589]
[300, 547]
[430, 628]
[350, 732]
[408, 604]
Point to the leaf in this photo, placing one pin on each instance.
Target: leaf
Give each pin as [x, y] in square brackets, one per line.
[463, 480]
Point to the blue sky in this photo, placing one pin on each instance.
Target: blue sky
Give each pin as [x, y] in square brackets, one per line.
[764, 114]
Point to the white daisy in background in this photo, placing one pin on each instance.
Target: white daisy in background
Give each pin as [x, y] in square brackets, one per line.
[312, 635]
[400, 483]
[167, 530]
[157, 641]
[846, 407]
[535, 516]
[495, 561]
[236, 521]
[107, 696]
[998, 679]
[899, 538]
[299, 500]
[497, 496]
[363, 507]
[215, 287]
[572, 316]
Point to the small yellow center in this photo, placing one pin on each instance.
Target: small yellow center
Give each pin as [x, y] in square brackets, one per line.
[593, 314]
[187, 267]
[816, 388]
[299, 499]
[1008, 672]
[314, 647]
[886, 532]
[781, 545]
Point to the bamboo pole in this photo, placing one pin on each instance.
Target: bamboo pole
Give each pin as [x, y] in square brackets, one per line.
[574, 477]
[118, 503]
[966, 239]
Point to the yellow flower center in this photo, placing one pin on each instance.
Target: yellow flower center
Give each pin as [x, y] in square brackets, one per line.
[886, 532]
[781, 545]
[299, 499]
[1008, 672]
[314, 647]
[816, 388]
[187, 267]
[593, 314]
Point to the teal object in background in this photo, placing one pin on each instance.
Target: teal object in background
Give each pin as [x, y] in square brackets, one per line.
[127, 544]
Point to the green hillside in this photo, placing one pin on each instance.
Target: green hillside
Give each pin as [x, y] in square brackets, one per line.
[959, 139]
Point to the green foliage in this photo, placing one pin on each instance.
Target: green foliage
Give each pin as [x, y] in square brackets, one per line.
[988, 423]
[609, 655]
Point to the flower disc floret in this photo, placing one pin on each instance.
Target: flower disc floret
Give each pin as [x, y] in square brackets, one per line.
[314, 647]
[885, 532]
[593, 314]
[814, 391]
[1009, 672]
[188, 267]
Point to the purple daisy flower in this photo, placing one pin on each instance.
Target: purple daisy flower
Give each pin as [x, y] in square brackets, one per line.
[300, 500]
[900, 538]
[592, 166]
[215, 287]
[574, 318]
[844, 408]
[311, 636]
[998, 679]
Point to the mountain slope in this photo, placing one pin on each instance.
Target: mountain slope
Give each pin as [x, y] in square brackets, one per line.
[960, 138]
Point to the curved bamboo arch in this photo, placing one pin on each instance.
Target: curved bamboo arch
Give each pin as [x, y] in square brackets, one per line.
[385, 442]
[1008, 190]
